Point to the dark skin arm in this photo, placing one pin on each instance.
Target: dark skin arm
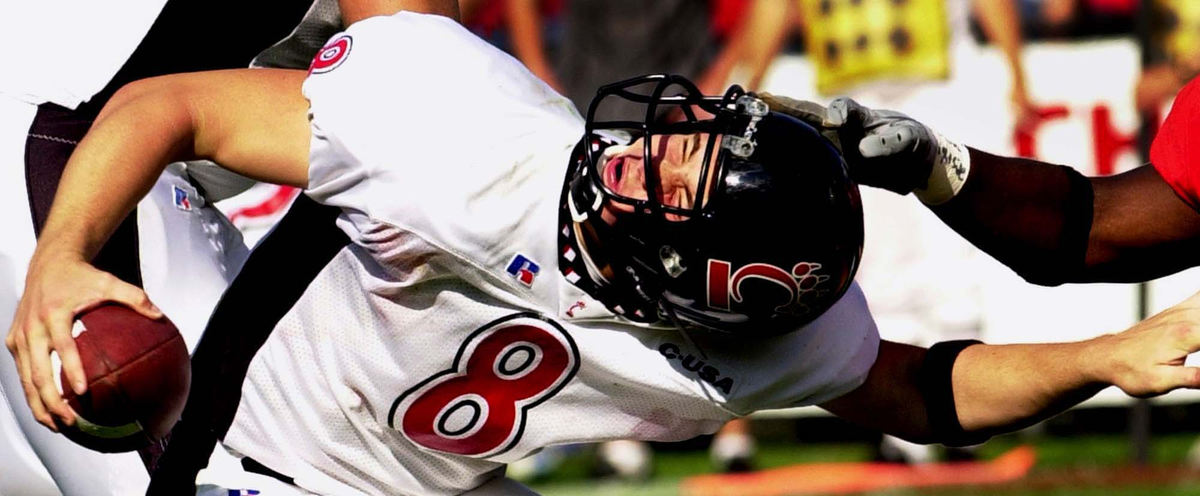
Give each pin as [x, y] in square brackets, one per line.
[1012, 208]
[1140, 229]
[1046, 222]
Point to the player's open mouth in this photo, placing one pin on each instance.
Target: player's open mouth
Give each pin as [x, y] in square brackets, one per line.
[614, 170]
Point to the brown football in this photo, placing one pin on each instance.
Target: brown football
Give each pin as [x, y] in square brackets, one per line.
[138, 374]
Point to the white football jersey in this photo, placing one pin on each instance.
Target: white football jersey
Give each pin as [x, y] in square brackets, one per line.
[443, 342]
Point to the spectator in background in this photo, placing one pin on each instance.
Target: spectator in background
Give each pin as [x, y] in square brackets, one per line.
[528, 29]
[605, 40]
[1171, 44]
[1078, 18]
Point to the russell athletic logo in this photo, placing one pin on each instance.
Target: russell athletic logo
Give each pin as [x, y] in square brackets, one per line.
[330, 57]
[180, 198]
[523, 269]
[726, 286]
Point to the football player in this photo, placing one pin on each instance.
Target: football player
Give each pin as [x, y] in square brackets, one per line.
[490, 302]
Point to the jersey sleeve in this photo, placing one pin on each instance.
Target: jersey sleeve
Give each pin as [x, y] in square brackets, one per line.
[424, 109]
[1175, 152]
[826, 359]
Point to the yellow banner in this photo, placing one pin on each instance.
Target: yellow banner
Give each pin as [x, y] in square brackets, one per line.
[855, 41]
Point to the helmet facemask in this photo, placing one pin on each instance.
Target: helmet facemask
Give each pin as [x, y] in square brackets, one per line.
[657, 261]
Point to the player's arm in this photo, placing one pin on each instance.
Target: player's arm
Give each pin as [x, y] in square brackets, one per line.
[959, 393]
[1052, 225]
[252, 121]
[1049, 223]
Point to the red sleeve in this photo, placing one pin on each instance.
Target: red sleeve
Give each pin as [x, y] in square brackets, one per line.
[1176, 149]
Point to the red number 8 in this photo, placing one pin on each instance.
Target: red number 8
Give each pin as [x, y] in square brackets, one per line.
[478, 406]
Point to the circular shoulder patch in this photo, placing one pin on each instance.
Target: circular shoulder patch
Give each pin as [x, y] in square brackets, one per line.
[330, 57]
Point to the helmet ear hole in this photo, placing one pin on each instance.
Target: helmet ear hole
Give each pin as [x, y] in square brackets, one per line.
[672, 262]
[738, 146]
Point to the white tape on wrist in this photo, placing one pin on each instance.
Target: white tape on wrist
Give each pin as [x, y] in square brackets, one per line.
[949, 172]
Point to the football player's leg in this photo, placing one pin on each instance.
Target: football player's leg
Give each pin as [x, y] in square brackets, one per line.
[75, 470]
[226, 475]
[24, 473]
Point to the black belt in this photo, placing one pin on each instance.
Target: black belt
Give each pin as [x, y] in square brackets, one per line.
[252, 465]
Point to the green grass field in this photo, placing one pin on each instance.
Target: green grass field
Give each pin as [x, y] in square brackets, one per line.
[1086, 465]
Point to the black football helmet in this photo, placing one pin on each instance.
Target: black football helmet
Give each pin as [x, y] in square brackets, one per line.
[769, 247]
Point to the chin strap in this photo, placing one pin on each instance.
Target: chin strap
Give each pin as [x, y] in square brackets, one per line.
[582, 264]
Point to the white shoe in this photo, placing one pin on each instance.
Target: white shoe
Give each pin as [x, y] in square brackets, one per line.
[732, 452]
[626, 459]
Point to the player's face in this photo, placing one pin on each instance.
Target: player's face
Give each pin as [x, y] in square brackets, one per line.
[677, 159]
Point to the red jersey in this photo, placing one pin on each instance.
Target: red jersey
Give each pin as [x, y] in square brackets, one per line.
[1175, 153]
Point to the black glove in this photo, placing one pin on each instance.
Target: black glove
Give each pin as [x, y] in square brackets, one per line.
[883, 148]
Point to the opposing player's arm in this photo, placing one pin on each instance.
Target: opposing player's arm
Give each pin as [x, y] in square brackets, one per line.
[1140, 228]
[961, 393]
[1047, 222]
[1052, 225]
[251, 121]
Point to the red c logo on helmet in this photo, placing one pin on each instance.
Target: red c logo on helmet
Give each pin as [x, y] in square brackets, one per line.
[332, 55]
[724, 286]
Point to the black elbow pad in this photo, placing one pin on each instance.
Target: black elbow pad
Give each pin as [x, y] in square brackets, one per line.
[937, 390]
[1065, 259]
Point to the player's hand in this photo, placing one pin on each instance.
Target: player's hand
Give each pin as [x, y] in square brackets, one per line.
[1148, 358]
[811, 113]
[883, 148]
[57, 289]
